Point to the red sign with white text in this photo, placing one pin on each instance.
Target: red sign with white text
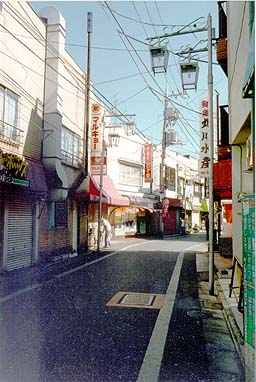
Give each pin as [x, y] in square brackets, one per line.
[148, 154]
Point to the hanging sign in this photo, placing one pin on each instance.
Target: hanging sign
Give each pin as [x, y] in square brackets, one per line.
[96, 140]
[204, 161]
[148, 155]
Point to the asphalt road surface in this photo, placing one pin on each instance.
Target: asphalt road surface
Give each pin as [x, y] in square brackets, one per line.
[99, 322]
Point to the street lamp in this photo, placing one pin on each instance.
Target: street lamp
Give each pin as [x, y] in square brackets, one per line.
[130, 128]
[113, 139]
[159, 58]
[189, 75]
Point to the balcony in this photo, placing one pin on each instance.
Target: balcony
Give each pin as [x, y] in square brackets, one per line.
[222, 54]
[10, 134]
[221, 48]
[71, 159]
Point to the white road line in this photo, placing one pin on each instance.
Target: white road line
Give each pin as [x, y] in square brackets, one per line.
[38, 285]
[150, 369]
[203, 247]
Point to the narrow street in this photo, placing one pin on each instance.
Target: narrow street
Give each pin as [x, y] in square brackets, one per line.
[72, 327]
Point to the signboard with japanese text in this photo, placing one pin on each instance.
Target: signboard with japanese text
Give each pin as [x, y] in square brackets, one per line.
[96, 165]
[249, 237]
[204, 139]
[148, 154]
[13, 169]
[96, 140]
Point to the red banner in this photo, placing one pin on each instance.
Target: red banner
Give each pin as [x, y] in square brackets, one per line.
[148, 154]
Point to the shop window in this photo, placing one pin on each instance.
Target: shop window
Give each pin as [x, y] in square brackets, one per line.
[9, 107]
[71, 147]
[57, 215]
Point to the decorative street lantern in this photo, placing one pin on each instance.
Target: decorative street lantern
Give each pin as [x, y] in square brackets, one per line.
[159, 58]
[113, 139]
[130, 128]
[189, 75]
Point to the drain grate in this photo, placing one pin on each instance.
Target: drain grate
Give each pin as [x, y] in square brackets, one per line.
[137, 300]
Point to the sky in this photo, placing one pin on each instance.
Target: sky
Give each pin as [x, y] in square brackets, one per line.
[120, 60]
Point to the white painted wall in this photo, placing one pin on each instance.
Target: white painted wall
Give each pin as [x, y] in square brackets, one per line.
[22, 50]
[239, 111]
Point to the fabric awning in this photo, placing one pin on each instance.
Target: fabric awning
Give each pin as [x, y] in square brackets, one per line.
[204, 205]
[137, 201]
[109, 191]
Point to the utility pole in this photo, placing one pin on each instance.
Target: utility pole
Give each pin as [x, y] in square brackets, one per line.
[87, 111]
[211, 189]
[211, 134]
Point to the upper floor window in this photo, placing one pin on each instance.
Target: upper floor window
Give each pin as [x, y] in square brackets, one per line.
[71, 147]
[130, 174]
[170, 178]
[9, 108]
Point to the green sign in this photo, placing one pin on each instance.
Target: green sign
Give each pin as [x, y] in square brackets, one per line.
[248, 225]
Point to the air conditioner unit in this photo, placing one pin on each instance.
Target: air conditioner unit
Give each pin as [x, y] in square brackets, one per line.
[249, 151]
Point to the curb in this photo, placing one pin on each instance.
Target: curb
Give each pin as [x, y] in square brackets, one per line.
[233, 327]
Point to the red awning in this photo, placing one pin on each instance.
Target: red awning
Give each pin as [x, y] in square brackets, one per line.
[223, 179]
[109, 191]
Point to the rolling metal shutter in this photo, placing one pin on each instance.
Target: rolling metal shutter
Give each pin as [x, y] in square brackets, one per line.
[19, 233]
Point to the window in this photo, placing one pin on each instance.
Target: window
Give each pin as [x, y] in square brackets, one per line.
[130, 174]
[57, 215]
[9, 103]
[197, 189]
[170, 179]
[70, 147]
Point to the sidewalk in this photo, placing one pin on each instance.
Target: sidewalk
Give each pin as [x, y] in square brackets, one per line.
[223, 272]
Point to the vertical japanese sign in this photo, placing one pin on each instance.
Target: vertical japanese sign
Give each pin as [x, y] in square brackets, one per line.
[248, 224]
[204, 139]
[96, 141]
[148, 155]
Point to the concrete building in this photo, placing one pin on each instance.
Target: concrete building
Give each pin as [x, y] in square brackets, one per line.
[241, 71]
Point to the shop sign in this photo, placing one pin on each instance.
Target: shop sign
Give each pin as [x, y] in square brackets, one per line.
[96, 165]
[96, 138]
[165, 206]
[148, 154]
[248, 226]
[204, 161]
[13, 169]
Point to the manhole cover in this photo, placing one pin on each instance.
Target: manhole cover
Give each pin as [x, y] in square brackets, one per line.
[197, 313]
[137, 300]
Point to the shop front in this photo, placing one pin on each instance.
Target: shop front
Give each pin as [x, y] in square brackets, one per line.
[171, 209]
[23, 190]
[113, 207]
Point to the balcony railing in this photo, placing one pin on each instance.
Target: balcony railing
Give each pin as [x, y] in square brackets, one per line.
[10, 134]
[71, 159]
